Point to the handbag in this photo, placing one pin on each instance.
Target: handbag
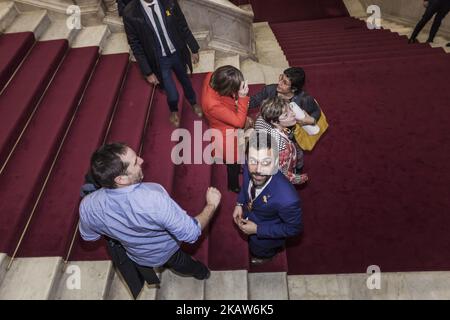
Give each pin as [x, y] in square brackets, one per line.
[305, 141]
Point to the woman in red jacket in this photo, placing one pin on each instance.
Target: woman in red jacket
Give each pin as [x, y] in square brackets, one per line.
[225, 104]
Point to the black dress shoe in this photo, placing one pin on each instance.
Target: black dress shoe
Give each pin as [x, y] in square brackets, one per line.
[203, 276]
[412, 40]
[448, 44]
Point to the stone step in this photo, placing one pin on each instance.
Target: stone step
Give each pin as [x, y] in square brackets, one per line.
[227, 285]
[268, 49]
[30, 279]
[84, 280]
[176, 287]
[58, 30]
[207, 60]
[272, 74]
[312, 287]
[440, 42]
[33, 21]
[8, 12]
[402, 30]
[4, 260]
[252, 72]
[114, 22]
[263, 31]
[268, 286]
[225, 61]
[355, 8]
[393, 286]
[119, 290]
[92, 36]
[116, 43]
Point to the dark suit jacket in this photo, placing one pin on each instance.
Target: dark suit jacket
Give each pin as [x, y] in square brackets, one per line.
[144, 42]
[276, 211]
[121, 4]
[305, 101]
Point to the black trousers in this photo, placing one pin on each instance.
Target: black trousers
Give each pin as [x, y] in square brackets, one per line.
[183, 263]
[135, 275]
[233, 171]
[440, 8]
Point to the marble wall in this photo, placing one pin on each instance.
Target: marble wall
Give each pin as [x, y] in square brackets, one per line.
[217, 24]
[222, 26]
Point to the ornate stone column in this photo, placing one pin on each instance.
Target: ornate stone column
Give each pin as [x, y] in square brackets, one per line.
[112, 18]
[222, 26]
[110, 7]
[92, 11]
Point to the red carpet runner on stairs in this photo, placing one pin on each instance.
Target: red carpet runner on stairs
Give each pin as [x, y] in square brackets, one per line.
[294, 10]
[378, 192]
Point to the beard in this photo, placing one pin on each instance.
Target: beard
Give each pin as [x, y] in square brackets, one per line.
[258, 179]
[138, 177]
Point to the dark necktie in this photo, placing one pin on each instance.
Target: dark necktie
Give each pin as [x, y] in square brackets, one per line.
[160, 30]
[252, 198]
[253, 192]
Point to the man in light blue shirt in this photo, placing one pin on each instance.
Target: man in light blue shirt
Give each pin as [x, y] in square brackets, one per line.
[141, 216]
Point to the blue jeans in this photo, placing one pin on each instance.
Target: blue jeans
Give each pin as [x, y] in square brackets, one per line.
[173, 63]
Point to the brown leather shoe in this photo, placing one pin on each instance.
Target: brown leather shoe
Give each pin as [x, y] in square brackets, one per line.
[174, 119]
[197, 110]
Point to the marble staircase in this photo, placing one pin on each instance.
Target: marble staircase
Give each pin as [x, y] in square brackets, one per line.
[46, 278]
[399, 25]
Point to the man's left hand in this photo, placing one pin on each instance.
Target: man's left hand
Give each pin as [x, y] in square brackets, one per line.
[195, 58]
[248, 227]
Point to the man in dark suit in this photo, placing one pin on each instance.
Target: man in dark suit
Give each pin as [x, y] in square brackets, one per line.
[268, 207]
[121, 4]
[440, 8]
[160, 39]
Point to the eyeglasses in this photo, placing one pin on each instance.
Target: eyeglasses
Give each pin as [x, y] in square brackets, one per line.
[263, 163]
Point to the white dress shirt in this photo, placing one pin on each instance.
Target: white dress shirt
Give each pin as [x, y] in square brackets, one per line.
[148, 10]
[257, 190]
